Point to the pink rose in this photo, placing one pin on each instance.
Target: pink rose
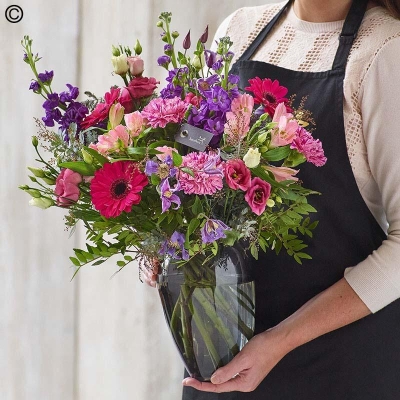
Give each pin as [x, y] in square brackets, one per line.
[192, 99]
[67, 189]
[237, 175]
[258, 195]
[136, 65]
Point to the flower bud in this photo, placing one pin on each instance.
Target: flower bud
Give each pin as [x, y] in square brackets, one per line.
[252, 158]
[278, 199]
[168, 49]
[204, 37]
[39, 173]
[186, 43]
[196, 62]
[49, 181]
[23, 187]
[86, 156]
[41, 202]
[34, 193]
[263, 149]
[160, 24]
[115, 51]
[138, 48]
[120, 64]
[211, 58]
[270, 203]
[35, 141]
[136, 65]
[164, 61]
[262, 137]
[115, 116]
[175, 34]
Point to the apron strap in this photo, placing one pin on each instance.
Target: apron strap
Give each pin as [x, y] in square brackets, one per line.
[349, 32]
[248, 53]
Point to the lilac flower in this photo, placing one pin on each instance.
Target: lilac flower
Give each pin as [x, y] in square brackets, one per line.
[35, 86]
[213, 230]
[229, 56]
[174, 246]
[168, 197]
[171, 91]
[70, 95]
[163, 170]
[46, 77]
[164, 61]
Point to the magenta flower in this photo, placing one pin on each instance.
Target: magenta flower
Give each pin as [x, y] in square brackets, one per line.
[311, 148]
[207, 173]
[67, 187]
[168, 195]
[237, 175]
[159, 112]
[258, 195]
[213, 230]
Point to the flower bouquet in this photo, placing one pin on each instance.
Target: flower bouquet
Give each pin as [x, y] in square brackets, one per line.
[199, 176]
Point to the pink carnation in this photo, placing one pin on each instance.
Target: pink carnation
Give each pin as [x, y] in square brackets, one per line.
[311, 148]
[207, 170]
[159, 112]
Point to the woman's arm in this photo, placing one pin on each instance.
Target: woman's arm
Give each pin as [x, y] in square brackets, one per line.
[334, 308]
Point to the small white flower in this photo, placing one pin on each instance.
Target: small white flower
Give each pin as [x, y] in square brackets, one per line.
[41, 202]
[120, 64]
[252, 158]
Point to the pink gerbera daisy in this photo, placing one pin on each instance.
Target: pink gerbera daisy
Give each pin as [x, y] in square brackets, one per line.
[159, 112]
[116, 187]
[268, 93]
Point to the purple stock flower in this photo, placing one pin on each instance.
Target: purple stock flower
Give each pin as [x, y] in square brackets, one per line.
[46, 77]
[25, 57]
[168, 48]
[177, 73]
[217, 66]
[213, 230]
[75, 113]
[171, 91]
[164, 61]
[51, 116]
[52, 102]
[35, 86]
[168, 195]
[219, 99]
[70, 95]
[174, 247]
[205, 84]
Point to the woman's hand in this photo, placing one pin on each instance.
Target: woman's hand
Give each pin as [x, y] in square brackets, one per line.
[150, 271]
[246, 371]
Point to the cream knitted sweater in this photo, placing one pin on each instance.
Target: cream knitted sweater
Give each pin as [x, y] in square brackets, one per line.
[371, 116]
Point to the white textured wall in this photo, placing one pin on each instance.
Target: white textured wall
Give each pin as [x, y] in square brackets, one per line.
[96, 337]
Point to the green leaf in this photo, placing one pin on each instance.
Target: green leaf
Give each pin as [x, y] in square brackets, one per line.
[121, 263]
[188, 171]
[197, 206]
[177, 158]
[254, 251]
[155, 179]
[81, 257]
[79, 166]
[277, 154]
[231, 237]
[75, 261]
[97, 156]
[193, 225]
[161, 143]
[98, 262]
[304, 255]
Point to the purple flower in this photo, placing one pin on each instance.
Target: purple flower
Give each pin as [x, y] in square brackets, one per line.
[210, 167]
[35, 86]
[217, 66]
[168, 49]
[177, 74]
[204, 37]
[46, 77]
[70, 95]
[219, 99]
[174, 246]
[213, 230]
[51, 102]
[186, 43]
[75, 113]
[205, 85]
[151, 168]
[51, 116]
[168, 197]
[25, 57]
[211, 58]
[171, 91]
[164, 61]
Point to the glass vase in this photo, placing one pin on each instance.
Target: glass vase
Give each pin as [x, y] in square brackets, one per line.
[209, 306]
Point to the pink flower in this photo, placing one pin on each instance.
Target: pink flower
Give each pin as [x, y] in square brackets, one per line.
[115, 188]
[134, 123]
[286, 129]
[116, 114]
[159, 112]
[244, 103]
[191, 98]
[207, 170]
[258, 195]
[113, 141]
[236, 126]
[136, 65]
[281, 111]
[311, 148]
[166, 150]
[67, 189]
[237, 175]
[283, 173]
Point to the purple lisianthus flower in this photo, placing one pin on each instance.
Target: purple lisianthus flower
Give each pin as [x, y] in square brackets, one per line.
[35, 86]
[211, 58]
[46, 77]
[70, 95]
[174, 247]
[171, 91]
[168, 195]
[213, 230]
[164, 61]
[52, 102]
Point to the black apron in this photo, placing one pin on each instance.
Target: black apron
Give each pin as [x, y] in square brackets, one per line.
[360, 361]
